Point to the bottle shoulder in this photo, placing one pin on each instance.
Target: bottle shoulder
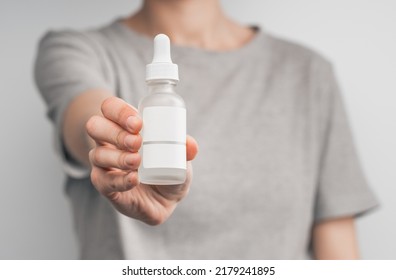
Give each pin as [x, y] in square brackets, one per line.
[162, 99]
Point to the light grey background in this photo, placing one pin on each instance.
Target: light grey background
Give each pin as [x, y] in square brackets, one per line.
[358, 36]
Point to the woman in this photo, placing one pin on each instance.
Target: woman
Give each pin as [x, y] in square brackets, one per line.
[277, 173]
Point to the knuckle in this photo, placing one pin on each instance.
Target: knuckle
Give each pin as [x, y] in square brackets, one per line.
[119, 138]
[122, 163]
[112, 186]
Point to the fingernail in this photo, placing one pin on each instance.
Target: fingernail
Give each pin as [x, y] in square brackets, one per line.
[132, 122]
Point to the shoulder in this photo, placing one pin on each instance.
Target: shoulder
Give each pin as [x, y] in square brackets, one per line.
[308, 74]
[298, 57]
[90, 41]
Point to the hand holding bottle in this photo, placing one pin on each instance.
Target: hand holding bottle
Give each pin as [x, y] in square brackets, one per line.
[115, 161]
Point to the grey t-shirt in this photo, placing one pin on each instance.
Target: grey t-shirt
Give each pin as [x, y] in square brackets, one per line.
[275, 155]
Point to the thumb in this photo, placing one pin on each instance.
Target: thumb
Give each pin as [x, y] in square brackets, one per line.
[191, 147]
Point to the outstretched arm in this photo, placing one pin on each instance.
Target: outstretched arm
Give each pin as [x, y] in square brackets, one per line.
[77, 114]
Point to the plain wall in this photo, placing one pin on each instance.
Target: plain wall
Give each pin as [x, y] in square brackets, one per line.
[358, 36]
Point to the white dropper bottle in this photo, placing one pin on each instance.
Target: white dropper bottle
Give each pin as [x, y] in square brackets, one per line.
[164, 121]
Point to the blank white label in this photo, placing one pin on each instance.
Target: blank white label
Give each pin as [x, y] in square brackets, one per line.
[164, 137]
[164, 123]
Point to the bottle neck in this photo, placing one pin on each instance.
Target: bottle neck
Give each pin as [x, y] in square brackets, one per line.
[161, 86]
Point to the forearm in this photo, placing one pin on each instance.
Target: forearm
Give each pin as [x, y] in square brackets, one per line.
[75, 137]
[335, 239]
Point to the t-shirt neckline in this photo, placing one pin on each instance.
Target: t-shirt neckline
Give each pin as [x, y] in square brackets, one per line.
[145, 42]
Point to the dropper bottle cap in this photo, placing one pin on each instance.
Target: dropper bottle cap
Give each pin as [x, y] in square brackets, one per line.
[162, 68]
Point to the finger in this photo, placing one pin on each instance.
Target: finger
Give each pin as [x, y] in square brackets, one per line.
[107, 157]
[122, 113]
[103, 130]
[109, 182]
[191, 147]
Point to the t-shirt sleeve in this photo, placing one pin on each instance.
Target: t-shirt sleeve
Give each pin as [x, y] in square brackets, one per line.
[66, 66]
[342, 187]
